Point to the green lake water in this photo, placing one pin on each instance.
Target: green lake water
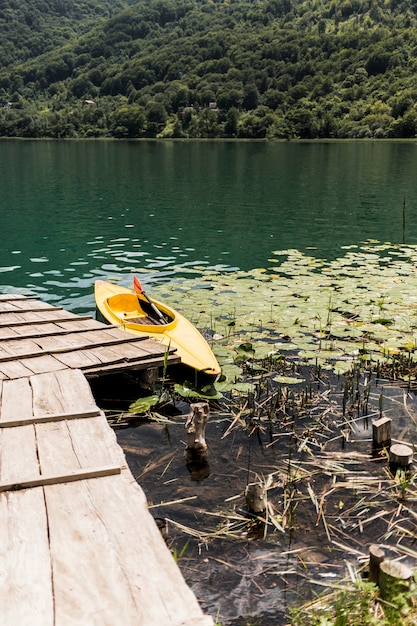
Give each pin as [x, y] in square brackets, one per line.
[75, 211]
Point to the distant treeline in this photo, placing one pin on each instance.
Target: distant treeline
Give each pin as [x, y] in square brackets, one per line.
[192, 68]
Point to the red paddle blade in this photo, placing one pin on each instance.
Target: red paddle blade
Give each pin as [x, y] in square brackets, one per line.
[136, 285]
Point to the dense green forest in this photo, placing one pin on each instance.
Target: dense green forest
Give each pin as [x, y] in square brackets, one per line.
[206, 68]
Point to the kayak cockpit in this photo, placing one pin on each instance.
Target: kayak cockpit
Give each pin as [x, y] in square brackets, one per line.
[131, 308]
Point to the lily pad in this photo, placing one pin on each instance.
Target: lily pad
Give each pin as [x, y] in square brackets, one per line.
[362, 304]
[142, 405]
[288, 380]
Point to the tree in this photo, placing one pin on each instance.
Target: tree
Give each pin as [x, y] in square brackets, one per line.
[156, 116]
[230, 127]
[128, 121]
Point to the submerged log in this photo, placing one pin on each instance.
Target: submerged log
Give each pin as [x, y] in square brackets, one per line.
[196, 426]
[376, 557]
[394, 579]
[255, 495]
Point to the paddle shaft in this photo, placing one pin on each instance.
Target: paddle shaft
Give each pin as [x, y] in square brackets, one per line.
[155, 308]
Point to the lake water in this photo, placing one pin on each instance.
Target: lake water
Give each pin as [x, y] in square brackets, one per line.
[75, 211]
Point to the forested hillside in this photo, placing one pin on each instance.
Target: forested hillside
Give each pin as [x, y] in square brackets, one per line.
[31, 27]
[193, 68]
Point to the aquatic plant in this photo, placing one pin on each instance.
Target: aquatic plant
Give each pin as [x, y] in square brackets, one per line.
[360, 307]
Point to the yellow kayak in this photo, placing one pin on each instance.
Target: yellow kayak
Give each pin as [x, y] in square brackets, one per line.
[140, 315]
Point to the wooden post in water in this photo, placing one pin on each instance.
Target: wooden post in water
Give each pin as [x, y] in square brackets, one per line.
[381, 434]
[394, 579]
[255, 495]
[196, 426]
[400, 457]
[376, 557]
[196, 457]
[404, 205]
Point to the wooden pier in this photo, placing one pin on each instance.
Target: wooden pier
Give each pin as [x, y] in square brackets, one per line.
[77, 543]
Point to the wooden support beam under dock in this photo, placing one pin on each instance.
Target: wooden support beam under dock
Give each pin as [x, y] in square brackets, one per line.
[77, 543]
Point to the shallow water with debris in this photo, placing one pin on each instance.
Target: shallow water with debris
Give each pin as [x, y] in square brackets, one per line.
[329, 497]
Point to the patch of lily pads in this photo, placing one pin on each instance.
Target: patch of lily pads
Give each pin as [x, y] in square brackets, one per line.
[361, 306]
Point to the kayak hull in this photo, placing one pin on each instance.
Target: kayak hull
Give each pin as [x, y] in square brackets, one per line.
[133, 313]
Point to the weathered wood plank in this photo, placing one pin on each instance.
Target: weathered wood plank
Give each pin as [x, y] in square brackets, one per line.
[16, 296]
[78, 359]
[17, 349]
[57, 479]
[56, 417]
[132, 365]
[20, 306]
[91, 518]
[10, 308]
[60, 392]
[18, 445]
[167, 599]
[49, 316]
[40, 364]
[14, 369]
[26, 597]
[81, 321]
[82, 340]
[49, 329]
[25, 573]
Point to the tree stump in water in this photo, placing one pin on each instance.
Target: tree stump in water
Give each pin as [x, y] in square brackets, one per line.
[196, 426]
[255, 495]
[376, 557]
[400, 457]
[394, 579]
[381, 434]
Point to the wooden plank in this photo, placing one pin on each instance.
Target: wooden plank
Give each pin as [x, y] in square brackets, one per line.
[25, 319]
[10, 350]
[40, 364]
[82, 340]
[16, 296]
[18, 445]
[61, 392]
[82, 322]
[49, 329]
[97, 525]
[94, 371]
[57, 479]
[34, 309]
[14, 369]
[78, 359]
[25, 574]
[26, 596]
[56, 417]
[23, 303]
